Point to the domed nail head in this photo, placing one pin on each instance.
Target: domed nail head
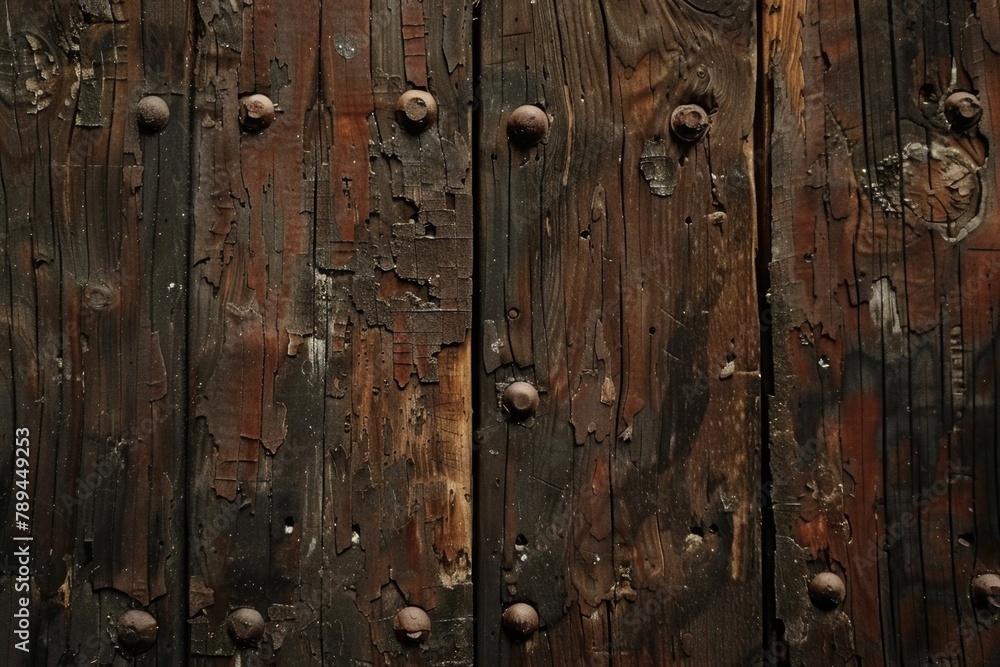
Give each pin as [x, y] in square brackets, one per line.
[416, 110]
[256, 112]
[986, 592]
[527, 125]
[152, 114]
[963, 110]
[689, 122]
[520, 620]
[246, 626]
[520, 400]
[412, 625]
[827, 591]
[137, 630]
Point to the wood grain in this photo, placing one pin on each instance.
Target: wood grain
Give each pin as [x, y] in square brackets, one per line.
[331, 354]
[884, 293]
[616, 269]
[92, 311]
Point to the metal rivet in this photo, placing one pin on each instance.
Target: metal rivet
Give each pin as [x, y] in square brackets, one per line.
[689, 122]
[986, 591]
[416, 110]
[520, 620]
[246, 626]
[827, 591]
[963, 110]
[513, 313]
[256, 112]
[520, 400]
[527, 125]
[412, 625]
[136, 630]
[152, 114]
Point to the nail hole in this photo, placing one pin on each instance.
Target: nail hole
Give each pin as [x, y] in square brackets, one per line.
[808, 257]
[652, 330]
[687, 220]
[697, 530]
[967, 539]
[585, 234]
[289, 525]
[713, 529]
[520, 542]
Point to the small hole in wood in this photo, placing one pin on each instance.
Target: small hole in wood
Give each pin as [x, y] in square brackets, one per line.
[652, 330]
[585, 234]
[520, 542]
[697, 530]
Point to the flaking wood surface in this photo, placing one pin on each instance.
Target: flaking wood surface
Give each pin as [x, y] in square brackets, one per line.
[885, 295]
[94, 277]
[616, 274]
[329, 327]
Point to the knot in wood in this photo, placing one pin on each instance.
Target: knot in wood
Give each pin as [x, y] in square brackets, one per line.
[246, 626]
[520, 400]
[256, 112]
[412, 625]
[986, 592]
[520, 620]
[416, 110]
[689, 122]
[963, 110]
[527, 125]
[827, 591]
[152, 114]
[136, 630]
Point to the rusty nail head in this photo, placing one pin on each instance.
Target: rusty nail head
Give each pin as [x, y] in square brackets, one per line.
[152, 114]
[520, 620]
[256, 112]
[527, 125]
[986, 591]
[412, 625]
[246, 626]
[136, 630]
[520, 400]
[827, 591]
[963, 110]
[416, 110]
[689, 122]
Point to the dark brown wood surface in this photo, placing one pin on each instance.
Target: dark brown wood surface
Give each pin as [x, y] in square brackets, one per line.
[94, 276]
[885, 295]
[616, 275]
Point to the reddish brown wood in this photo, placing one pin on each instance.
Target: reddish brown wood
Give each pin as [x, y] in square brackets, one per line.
[331, 309]
[884, 293]
[616, 273]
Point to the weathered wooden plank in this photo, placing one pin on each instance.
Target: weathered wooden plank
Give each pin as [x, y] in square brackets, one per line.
[884, 294]
[617, 270]
[331, 357]
[93, 304]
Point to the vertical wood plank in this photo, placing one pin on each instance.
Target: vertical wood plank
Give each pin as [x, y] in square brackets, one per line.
[616, 265]
[331, 357]
[884, 291]
[92, 310]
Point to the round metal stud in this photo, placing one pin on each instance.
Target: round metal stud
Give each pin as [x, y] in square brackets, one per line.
[520, 620]
[520, 400]
[527, 125]
[246, 626]
[689, 122]
[963, 110]
[256, 112]
[986, 591]
[152, 114]
[416, 110]
[827, 591]
[136, 630]
[412, 625]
